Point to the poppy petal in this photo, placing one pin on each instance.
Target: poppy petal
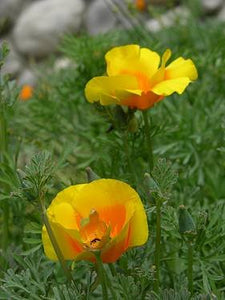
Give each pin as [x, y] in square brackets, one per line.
[119, 207]
[66, 195]
[68, 246]
[138, 225]
[146, 100]
[117, 246]
[63, 214]
[160, 74]
[180, 68]
[135, 233]
[61, 210]
[166, 56]
[130, 59]
[109, 90]
[167, 87]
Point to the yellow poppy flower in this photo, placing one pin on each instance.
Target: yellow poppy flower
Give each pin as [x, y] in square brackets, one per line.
[137, 79]
[105, 215]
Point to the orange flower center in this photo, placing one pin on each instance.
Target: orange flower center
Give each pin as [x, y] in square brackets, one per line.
[147, 99]
[94, 232]
[142, 79]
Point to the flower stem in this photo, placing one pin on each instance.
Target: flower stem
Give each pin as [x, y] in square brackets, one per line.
[53, 240]
[3, 133]
[128, 156]
[3, 151]
[5, 227]
[101, 274]
[190, 267]
[112, 269]
[148, 139]
[157, 246]
[112, 290]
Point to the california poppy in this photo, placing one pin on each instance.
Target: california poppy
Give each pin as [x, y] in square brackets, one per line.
[105, 215]
[26, 92]
[140, 5]
[136, 78]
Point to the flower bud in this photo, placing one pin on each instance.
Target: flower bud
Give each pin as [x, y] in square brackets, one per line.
[91, 175]
[186, 223]
[152, 188]
[133, 125]
[149, 182]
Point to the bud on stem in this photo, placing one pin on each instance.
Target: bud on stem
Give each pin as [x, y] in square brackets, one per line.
[91, 175]
[186, 223]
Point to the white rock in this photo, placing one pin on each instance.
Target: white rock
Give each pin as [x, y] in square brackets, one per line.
[221, 15]
[210, 6]
[63, 63]
[176, 15]
[9, 9]
[39, 28]
[99, 18]
[27, 77]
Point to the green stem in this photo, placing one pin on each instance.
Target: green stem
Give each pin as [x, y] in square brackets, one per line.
[112, 269]
[112, 290]
[53, 240]
[3, 134]
[148, 139]
[128, 156]
[101, 274]
[190, 268]
[157, 247]
[3, 151]
[5, 227]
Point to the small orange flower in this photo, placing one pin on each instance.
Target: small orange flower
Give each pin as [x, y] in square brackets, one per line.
[140, 5]
[105, 215]
[138, 78]
[26, 92]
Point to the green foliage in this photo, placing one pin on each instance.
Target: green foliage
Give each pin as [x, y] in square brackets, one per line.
[9, 148]
[160, 183]
[34, 278]
[31, 281]
[37, 174]
[4, 50]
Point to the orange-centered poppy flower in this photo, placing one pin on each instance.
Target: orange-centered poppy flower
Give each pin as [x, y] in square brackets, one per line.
[26, 92]
[136, 77]
[140, 5]
[105, 215]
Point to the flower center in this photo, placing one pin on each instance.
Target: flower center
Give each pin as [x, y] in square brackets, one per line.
[94, 232]
[142, 79]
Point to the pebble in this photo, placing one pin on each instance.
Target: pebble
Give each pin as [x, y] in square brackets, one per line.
[41, 25]
[99, 18]
[210, 6]
[177, 15]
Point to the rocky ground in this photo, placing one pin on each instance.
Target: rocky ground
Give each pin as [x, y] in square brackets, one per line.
[33, 28]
